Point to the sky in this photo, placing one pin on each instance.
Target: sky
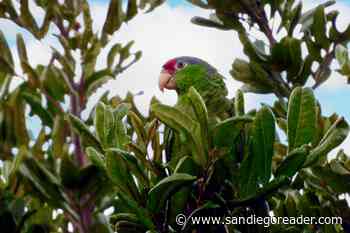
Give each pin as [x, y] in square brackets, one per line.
[167, 33]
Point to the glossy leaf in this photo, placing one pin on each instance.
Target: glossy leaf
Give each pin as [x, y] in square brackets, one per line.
[95, 157]
[293, 162]
[263, 138]
[301, 118]
[201, 113]
[104, 123]
[226, 132]
[335, 135]
[138, 127]
[256, 167]
[158, 195]
[239, 103]
[118, 172]
[83, 131]
[180, 122]
[319, 28]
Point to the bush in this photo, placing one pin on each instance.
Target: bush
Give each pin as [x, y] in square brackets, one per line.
[234, 167]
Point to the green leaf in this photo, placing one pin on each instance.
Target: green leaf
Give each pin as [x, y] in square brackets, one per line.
[293, 162]
[335, 135]
[133, 165]
[186, 165]
[96, 80]
[252, 50]
[96, 157]
[319, 27]
[6, 54]
[338, 183]
[112, 53]
[46, 183]
[6, 60]
[32, 74]
[342, 56]
[253, 75]
[301, 118]
[19, 118]
[248, 178]
[296, 14]
[264, 191]
[115, 17]
[258, 89]
[200, 21]
[5, 81]
[104, 124]
[131, 10]
[142, 214]
[162, 191]
[34, 102]
[119, 173]
[121, 137]
[182, 123]
[225, 132]
[83, 131]
[58, 136]
[263, 138]
[239, 103]
[138, 126]
[338, 167]
[21, 48]
[256, 167]
[307, 19]
[286, 55]
[53, 80]
[341, 53]
[201, 112]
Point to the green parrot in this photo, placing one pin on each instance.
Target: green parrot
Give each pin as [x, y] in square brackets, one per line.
[181, 73]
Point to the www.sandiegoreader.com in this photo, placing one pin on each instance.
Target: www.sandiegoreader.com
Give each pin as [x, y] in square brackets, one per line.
[182, 220]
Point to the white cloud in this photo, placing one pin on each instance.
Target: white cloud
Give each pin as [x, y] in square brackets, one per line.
[164, 34]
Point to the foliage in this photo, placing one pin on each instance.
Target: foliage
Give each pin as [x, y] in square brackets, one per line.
[77, 168]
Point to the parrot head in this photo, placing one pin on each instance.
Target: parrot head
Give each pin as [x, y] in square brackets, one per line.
[181, 73]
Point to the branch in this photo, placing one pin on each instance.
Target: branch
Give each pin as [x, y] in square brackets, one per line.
[259, 17]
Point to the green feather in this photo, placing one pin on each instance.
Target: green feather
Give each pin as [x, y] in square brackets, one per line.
[211, 87]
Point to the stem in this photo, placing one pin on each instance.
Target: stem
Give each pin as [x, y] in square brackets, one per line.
[79, 153]
[84, 206]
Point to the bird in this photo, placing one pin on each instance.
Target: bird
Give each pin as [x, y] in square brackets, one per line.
[179, 74]
[182, 73]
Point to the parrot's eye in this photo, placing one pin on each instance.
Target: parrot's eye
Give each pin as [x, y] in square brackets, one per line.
[180, 65]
